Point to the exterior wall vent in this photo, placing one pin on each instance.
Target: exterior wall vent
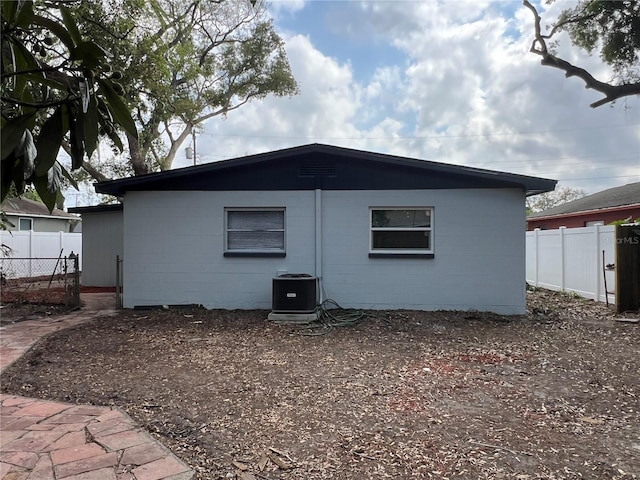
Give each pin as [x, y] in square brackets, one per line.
[317, 168]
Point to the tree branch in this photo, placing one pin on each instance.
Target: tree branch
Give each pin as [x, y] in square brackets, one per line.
[38, 105]
[93, 171]
[86, 166]
[175, 145]
[221, 111]
[610, 92]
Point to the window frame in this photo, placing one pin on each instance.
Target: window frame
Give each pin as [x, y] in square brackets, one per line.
[20, 219]
[403, 252]
[255, 252]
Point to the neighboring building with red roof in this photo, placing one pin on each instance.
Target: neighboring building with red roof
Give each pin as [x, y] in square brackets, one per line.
[601, 208]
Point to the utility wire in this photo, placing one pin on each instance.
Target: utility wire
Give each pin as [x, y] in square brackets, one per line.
[419, 137]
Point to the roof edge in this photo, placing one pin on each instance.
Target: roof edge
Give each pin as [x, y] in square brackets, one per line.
[71, 218]
[531, 185]
[584, 212]
[115, 207]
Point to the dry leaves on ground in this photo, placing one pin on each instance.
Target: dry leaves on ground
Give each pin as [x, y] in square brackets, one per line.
[404, 394]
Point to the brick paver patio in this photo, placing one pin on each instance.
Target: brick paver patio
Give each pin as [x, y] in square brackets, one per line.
[44, 440]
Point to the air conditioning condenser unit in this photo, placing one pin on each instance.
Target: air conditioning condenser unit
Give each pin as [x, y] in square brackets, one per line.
[295, 293]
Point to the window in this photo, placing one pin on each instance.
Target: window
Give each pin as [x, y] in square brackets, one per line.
[25, 224]
[401, 231]
[254, 232]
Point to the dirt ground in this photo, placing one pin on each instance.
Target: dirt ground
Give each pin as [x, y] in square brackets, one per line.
[554, 394]
[35, 300]
[17, 312]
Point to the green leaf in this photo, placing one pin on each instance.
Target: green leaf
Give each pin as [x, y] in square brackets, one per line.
[54, 179]
[69, 177]
[115, 138]
[91, 128]
[26, 150]
[117, 107]
[89, 53]
[6, 174]
[42, 187]
[9, 10]
[17, 173]
[45, 81]
[19, 82]
[70, 23]
[76, 144]
[12, 132]
[24, 58]
[9, 59]
[57, 29]
[49, 142]
[25, 14]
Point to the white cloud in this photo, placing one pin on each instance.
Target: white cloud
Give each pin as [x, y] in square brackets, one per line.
[325, 109]
[283, 7]
[463, 89]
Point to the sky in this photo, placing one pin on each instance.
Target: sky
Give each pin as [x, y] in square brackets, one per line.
[450, 81]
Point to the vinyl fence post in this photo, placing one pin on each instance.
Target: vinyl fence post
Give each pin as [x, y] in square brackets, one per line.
[599, 268]
[30, 252]
[536, 255]
[562, 259]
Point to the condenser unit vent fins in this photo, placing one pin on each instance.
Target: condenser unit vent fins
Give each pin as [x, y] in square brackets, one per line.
[317, 168]
[295, 293]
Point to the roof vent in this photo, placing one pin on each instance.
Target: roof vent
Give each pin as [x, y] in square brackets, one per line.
[317, 168]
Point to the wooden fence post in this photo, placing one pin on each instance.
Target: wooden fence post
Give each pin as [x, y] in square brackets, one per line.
[627, 268]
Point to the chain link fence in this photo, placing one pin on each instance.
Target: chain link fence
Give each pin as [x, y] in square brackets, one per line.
[42, 281]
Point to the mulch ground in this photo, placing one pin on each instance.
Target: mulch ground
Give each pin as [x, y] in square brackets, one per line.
[33, 300]
[554, 394]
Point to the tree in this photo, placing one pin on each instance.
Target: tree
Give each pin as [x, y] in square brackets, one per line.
[547, 200]
[56, 89]
[184, 62]
[613, 28]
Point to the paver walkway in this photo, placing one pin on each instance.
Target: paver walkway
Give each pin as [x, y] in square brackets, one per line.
[44, 440]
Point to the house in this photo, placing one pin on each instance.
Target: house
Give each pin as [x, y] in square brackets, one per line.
[601, 208]
[101, 243]
[378, 231]
[33, 232]
[24, 214]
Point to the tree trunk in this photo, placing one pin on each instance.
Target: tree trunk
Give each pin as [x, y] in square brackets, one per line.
[138, 163]
[167, 162]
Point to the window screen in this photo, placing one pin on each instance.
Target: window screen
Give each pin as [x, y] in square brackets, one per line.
[255, 230]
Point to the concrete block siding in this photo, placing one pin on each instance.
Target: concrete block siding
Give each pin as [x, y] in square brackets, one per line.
[174, 249]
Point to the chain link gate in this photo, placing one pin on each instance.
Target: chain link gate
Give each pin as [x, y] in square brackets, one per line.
[41, 281]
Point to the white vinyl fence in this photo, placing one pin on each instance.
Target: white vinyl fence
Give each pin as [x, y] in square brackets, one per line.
[571, 260]
[30, 244]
